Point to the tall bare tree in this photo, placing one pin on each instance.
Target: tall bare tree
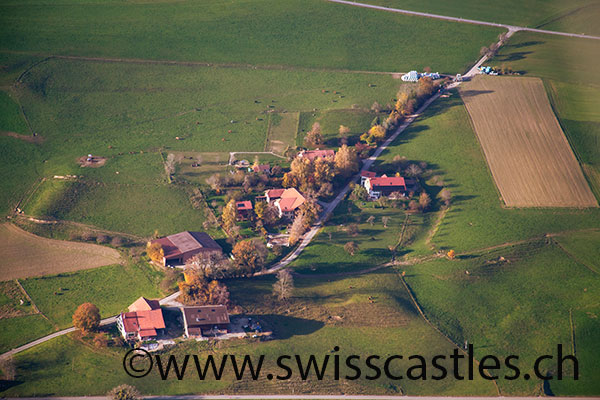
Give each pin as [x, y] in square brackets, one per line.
[284, 286]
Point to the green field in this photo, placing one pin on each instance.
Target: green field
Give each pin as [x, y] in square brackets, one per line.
[517, 300]
[387, 326]
[559, 15]
[264, 32]
[57, 296]
[20, 330]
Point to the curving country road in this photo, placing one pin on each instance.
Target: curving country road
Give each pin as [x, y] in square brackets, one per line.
[464, 20]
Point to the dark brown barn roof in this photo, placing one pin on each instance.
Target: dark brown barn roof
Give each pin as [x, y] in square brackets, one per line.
[205, 315]
[179, 243]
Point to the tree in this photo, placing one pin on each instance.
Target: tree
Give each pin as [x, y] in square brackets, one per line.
[266, 213]
[216, 182]
[413, 170]
[371, 220]
[86, 317]
[351, 248]
[424, 201]
[199, 291]
[451, 254]
[324, 170]
[297, 229]
[155, 252]
[310, 210]
[413, 206]
[344, 131]
[376, 107]
[208, 266]
[405, 104]
[376, 134]
[385, 220]
[346, 161]
[446, 196]
[313, 137]
[284, 286]
[100, 340]
[124, 392]
[250, 255]
[229, 216]
[425, 87]
[359, 193]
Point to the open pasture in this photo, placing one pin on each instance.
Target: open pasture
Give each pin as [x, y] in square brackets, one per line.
[560, 15]
[529, 157]
[25, 255]
[304, 33]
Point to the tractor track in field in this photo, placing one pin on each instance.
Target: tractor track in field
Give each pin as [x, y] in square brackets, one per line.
[274, 67]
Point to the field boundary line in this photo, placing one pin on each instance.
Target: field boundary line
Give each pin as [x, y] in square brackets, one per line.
[422, 314]
[438, 222]
[572, 257]
[266, 146]
[35, 307]
[276, 67]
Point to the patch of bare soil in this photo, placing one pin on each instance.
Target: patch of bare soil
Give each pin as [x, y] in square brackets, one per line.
[27, 138]
[91, 162]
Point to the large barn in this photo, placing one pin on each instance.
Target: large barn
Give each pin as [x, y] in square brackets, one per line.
[180, 247]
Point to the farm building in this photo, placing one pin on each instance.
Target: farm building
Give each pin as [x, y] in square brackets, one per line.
[314, 154]
[182, 246]
[412, 76]
[287, 201]
[205, 320]
[366, 174]
[262, 169]
[244, 209]
[385, 186]
[143, 321]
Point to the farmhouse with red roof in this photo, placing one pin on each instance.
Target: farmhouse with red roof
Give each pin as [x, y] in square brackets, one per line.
[244, 209]
[182, 246]
[143, 321]
[287, 201]
[385, 185]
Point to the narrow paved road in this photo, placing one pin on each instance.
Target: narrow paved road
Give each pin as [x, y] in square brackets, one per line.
[464, 20]
[305, 397]
[308, 236]
[167, 301]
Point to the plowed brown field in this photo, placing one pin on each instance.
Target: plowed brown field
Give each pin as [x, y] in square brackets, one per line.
[530, 158]
[24, 254]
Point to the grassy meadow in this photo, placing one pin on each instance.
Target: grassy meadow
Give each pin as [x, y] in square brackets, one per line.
[445, 140]
[560, 15]
[517, 300]
[57, 296]
[320, 315]
[264, 32]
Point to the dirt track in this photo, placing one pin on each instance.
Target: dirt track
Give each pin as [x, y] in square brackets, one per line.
[25, 255]
[527, 152]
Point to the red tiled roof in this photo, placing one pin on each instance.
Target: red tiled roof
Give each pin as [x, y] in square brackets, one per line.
[139, 321]
[143, 304]
[275, 193]
[368, 174]
[290, 200]
[387, 181]
[175, 245]
[244, 205]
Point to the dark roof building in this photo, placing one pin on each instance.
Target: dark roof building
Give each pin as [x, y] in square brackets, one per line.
[205, 320]
[314, 154]
[182, 246]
